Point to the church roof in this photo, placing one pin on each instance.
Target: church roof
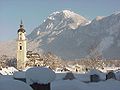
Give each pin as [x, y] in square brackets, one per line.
[21, 28]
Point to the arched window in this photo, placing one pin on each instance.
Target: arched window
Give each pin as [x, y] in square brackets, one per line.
[20, 47]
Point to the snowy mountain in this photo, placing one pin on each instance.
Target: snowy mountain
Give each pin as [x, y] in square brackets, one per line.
[72, 36]
[58, 22]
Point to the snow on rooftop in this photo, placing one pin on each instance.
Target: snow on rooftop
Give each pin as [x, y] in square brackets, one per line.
[13, 85]
[39, 75]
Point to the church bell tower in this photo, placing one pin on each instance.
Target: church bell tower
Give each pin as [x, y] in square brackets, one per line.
[21, 48]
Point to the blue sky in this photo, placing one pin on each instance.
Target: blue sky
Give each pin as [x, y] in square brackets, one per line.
[33, 12]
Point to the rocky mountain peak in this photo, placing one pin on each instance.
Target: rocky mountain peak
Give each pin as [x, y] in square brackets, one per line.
[73, 20]
[58, 22]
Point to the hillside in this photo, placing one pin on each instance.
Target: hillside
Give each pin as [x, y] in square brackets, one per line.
[71, 36]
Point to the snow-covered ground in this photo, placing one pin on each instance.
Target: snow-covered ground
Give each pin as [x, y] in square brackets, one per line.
[79, 83]
[13, 85]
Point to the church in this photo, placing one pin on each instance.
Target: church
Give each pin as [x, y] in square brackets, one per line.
[24, 57]
[21, 48]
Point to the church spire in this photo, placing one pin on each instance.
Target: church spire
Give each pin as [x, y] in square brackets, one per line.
[21, 24]
[21, 27]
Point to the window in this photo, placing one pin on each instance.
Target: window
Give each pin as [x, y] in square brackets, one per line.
[20, 47]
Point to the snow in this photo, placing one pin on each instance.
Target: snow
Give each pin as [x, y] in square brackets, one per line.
[116, 13]
[2, 72]
[117, 74]
[45, 75]
[106, 69]
[68, 85]
[38, 32]
[49, 26]
[105, 85]
[6, 77]
[68, 13]
[79, 76]
[51, 18]
[97, 72]
[54, 13]
[77, 85]
[13, 85]
[39, 75]
[20, 74]
[99, 18]
[8, 71]
[87, 23]
[60, 75]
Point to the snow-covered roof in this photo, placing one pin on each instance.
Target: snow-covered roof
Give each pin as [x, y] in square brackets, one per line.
[39, 75]
[13, 85]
